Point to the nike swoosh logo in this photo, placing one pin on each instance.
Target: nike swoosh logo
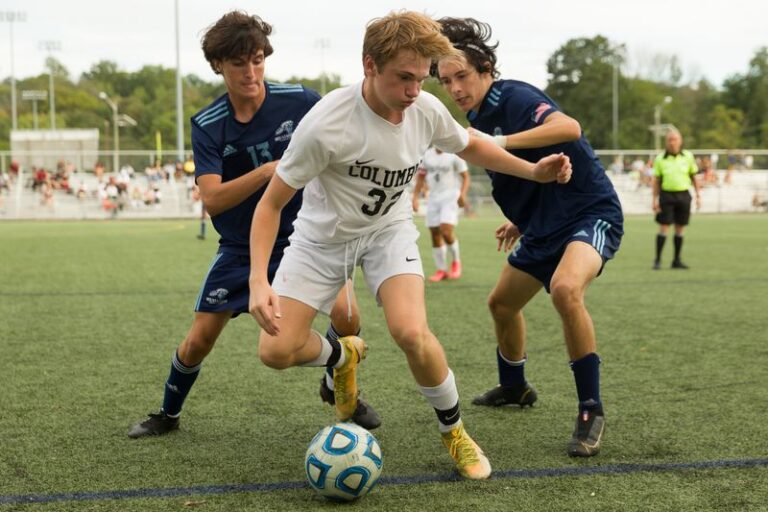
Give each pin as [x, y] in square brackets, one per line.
[410, 259]
[451, 418]
[358, 162]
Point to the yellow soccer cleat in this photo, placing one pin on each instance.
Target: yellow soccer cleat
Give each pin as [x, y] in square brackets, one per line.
[345, 378]
[471, 462]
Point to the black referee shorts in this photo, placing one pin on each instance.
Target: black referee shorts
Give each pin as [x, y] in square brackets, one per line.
[675, 208]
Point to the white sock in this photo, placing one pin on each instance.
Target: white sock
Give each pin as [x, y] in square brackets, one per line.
[325, 353]
[439, 253]
[454, 248]
[444, 397]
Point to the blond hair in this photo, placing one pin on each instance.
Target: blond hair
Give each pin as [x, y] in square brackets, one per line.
[405, 30]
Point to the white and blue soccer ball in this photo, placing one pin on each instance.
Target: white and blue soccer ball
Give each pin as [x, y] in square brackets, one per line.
[343, 462]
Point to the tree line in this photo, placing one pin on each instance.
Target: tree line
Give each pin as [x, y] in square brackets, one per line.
[582, 74]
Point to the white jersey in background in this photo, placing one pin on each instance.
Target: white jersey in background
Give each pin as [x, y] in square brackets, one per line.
[442, 174]
[354, 165]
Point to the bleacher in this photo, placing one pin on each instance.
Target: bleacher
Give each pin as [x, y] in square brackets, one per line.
[22, 202]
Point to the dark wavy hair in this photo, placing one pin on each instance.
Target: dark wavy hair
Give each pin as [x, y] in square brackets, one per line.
[471, 37]
[234, 35]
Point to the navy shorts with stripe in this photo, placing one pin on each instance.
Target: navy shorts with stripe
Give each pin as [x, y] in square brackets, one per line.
[225, 286]
[540, 257]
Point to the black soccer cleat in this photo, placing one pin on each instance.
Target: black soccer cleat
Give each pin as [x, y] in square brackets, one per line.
[656, 265]
[588, 434]
[364, 415]
[680, 265]
[521, 396]
[156, 424]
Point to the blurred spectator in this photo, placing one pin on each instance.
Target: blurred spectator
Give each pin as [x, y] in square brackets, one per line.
[98, 171]
[640, 171]
[14, 170]
[169, 169]
[707, 172]
[617, 166]
[749, 161]
[82, 191]
[189, 166]
[39, 177]
[759, 202]
[46, 194]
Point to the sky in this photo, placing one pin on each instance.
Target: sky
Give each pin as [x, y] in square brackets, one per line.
[711, 38]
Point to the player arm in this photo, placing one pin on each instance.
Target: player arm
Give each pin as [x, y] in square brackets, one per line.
[556, 129]
[263, 303]
[656, 183]
[483, 152]
[219, 197]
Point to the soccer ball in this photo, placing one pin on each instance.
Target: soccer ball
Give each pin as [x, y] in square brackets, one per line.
[343, 462]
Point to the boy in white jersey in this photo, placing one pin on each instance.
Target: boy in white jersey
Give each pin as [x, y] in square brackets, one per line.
[354, 153]
[440, 173]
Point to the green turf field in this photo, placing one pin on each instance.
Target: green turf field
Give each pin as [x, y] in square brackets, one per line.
[90, 313]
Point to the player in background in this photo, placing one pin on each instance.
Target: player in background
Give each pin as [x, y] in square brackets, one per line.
[564, 234]
[440, 172]
[674, 171]
[237, 141]
[355, 152]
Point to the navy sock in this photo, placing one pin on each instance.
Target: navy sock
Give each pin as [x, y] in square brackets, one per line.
[511, 374]
[678, 246]
[586, 372]
[177, 386]
[660, 240]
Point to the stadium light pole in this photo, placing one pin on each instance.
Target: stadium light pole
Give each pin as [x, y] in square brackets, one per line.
[12, 17]
[657, 122]
[115, 134]
[323, 43]
[179, 97]
[50, 47]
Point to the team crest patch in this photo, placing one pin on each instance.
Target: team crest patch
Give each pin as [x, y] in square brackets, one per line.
[284, 131]
[217, 296]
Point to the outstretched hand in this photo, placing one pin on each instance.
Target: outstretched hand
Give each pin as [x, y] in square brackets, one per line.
[264, 306]
[556, 167]
[506, 236]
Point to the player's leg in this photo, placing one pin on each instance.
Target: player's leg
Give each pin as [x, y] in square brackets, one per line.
[309, 279]
[439, 249]
[224, 294]
[345, 321]
[664, 218]
[402, 297]
[682, 216]
[513, 290]
[449, 218]
[185, 367]
[580, 264]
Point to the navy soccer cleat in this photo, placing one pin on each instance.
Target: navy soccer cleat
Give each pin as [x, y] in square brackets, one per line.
[522, 396]
[588, 434]
[364, 415]
[156, 424]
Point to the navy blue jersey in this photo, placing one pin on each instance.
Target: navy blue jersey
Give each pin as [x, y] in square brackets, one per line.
[539, 209]
[223, 145]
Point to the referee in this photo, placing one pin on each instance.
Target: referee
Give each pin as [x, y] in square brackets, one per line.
[673, 173]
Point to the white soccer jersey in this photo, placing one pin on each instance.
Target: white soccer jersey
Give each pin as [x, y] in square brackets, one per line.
[442, 173]
[355, 165]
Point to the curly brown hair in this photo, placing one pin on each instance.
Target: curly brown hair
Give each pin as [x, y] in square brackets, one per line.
[234, 35]
[471, 37]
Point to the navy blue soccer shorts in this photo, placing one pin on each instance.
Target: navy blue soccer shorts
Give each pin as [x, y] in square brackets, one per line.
[540, 257]
[225, 286]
